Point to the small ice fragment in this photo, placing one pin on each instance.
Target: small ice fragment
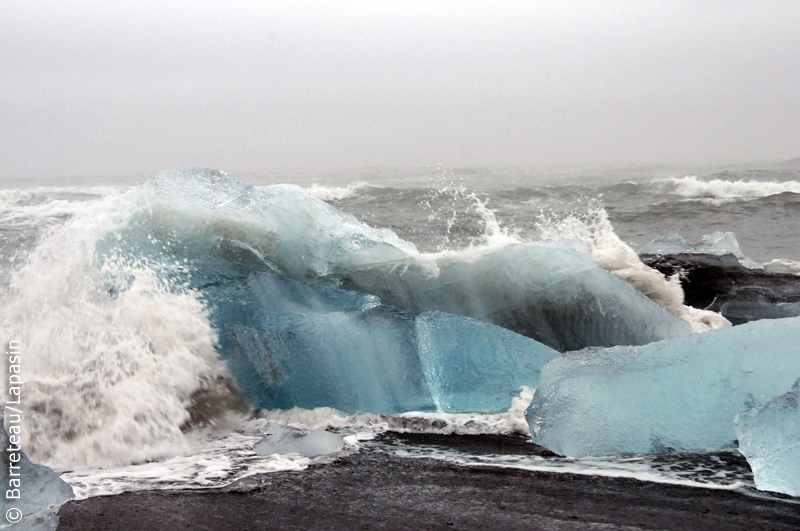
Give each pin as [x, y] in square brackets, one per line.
[769, 437]
[780, 265]
[280, 439]
[40, 492]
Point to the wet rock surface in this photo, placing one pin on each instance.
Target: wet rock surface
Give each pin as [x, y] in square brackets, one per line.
[722, 284]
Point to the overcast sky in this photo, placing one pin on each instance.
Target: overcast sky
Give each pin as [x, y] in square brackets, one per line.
[111, 88]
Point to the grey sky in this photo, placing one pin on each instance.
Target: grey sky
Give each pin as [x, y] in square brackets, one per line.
[133, 87]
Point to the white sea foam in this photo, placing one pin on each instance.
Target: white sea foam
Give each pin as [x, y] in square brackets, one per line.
[337, 193]
[215, 462]
[109, 374]
[641, 467]
[720, 191]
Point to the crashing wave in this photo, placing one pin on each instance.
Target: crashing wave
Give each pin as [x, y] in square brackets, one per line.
[720, 190]
[593, 229]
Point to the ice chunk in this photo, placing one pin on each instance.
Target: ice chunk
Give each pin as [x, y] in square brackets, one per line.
[551, 292]
[475, 366]
[781, 265]
[679, 394]
[669, 242]
[41, 490]
[769, 436]
[280, 439]
[717, 243]
[291, 343]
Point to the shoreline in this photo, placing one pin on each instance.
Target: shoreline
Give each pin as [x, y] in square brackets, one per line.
[376, 490]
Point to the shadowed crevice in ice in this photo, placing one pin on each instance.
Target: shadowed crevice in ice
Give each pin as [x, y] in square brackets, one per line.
[41, 491]
[769, 436]
[475, 366]
[680, 394]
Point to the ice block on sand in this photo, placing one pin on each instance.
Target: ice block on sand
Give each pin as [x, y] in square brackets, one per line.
[769, 436]
[678, 394]
[39, 491]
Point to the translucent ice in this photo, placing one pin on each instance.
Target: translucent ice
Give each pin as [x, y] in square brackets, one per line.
[678, 394]
[552, 292]
[769, 436]
[280, 439]
[41, 491]
[475, 366]
[293, 343]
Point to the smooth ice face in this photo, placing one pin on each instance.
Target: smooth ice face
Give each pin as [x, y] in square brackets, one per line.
[42, 491]
[475, 366]
[284, 440]
[769, 437]
[679, 394]
[291, 343]
[551, 292]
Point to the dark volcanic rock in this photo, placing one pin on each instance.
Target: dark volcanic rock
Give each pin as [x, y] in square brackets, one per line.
[722, 284]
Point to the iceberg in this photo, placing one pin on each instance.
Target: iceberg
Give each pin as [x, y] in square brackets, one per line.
[680, 394]
[279, 439]
[551, 292]
[475, 366]
[41, 491]
[769, 437]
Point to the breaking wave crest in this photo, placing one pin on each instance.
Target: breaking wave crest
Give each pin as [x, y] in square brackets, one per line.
[594, 230]
[720, 190]
[112, 375]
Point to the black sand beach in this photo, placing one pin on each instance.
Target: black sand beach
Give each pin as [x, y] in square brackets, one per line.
[375, 490]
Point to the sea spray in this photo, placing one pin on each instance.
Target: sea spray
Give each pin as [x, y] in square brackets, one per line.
[110, 373]
[594, 230]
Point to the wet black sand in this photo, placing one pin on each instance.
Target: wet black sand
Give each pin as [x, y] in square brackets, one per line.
[376, 490]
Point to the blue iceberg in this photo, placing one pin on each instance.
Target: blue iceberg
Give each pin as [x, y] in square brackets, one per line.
[475, 366]
[36, 493]
[680, 394]
[769, 437]
[315, 308]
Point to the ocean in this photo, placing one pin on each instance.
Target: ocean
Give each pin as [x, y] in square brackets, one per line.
[126, 295]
